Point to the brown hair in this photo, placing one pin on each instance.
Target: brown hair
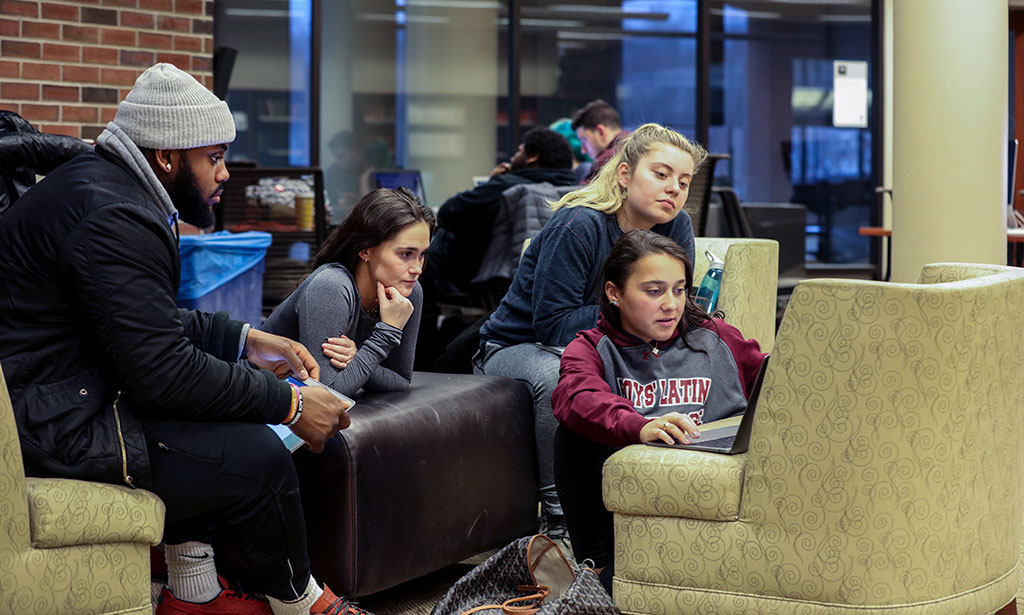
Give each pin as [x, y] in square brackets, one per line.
[376, 218]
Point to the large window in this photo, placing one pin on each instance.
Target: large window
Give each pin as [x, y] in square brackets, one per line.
[411, 84]
[638, 55]
[270, 78]
[424, 84]
[772, 73]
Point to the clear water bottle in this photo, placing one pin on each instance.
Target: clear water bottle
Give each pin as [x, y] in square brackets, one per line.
[707, 294]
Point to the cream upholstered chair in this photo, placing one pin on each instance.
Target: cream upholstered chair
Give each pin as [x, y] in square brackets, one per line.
[68, 546]
[750, 281]
[884, 470]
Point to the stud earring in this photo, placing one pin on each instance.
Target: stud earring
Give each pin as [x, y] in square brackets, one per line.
[168, 167]
[615, 303]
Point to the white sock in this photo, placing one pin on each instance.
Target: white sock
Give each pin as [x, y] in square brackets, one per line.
[191, 573]
[301, 605]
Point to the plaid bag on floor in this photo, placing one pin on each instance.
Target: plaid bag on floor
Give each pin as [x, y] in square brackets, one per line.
[529, 576]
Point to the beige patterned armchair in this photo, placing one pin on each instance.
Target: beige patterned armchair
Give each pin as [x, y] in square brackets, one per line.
[884, 471]
[68, 546]
[750, 281]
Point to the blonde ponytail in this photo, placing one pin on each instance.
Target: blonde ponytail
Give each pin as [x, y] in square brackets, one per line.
[604, 193]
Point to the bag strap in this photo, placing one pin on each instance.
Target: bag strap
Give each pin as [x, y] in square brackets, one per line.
[533, 602]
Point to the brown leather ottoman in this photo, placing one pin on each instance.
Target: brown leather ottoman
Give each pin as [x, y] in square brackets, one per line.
[422, 479]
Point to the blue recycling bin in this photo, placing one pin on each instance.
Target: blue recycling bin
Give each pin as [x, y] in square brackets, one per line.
[224, 271]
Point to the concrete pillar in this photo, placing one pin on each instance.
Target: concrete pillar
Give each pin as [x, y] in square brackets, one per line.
[949, 133]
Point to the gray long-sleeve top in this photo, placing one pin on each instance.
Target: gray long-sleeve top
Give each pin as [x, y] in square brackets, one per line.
[327, 304]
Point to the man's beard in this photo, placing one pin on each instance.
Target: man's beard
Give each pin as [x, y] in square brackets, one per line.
[188, 198]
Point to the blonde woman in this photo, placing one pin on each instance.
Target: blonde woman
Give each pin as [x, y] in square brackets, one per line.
[555, 290]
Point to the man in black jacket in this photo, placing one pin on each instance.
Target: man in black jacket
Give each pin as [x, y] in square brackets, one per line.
[464, 221]
[111, 382]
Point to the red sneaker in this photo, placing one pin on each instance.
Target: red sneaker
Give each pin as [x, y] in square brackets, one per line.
[329, 604]
[230, 601]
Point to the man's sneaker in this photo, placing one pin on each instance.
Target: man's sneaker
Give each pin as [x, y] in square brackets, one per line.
[230, 601]
[329, 604]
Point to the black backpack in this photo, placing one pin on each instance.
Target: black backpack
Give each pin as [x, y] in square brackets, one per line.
[25, 152]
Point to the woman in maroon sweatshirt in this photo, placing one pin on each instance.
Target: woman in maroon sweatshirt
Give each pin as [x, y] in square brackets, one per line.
[655, 367]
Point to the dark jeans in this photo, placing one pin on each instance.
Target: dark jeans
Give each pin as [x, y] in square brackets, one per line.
[233, 485]
[578, 463]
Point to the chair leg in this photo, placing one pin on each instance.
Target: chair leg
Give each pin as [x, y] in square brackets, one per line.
[1009, 609]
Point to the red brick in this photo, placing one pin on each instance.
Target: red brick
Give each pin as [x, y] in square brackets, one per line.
[19, 7]
[124, 3]
[208, 44]
[118, 37]
[188, 6]
[85, 74]
[9, 68]
[19, 49]
[60, 129]
[59, 11]
[19, 91]
[208, 82]
[107, 114]
[91, 133]
[180, 60]
[117, 76]
[85, 115]
[40, 72]
[202, 64]
[10, 27]
[40, 113]
[156, 5]
[165, 23]
[36, 29]
[202, 26]
[60, 92]
[131, 19]
[62, 53]
[148, 40]
[85, 34]
[136, 58]
[188, 43]
[99, 55]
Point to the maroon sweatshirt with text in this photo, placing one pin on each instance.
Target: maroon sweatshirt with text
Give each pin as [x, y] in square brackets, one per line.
[611, 384]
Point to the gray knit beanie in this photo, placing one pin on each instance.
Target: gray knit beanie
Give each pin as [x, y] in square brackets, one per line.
[168, 109]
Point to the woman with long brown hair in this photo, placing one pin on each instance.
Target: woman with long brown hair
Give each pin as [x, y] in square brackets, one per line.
[361, 305]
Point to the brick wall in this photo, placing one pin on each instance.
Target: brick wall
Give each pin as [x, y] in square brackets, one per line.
[65, 64]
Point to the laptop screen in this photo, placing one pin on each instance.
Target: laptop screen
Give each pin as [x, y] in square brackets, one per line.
[401, 178]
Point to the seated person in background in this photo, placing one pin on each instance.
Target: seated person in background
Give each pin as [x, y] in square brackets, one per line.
[361, 304]
[581, 162]
[465, 220]
[649, 331]
[599, 129]
[111, 382]
[555, 289]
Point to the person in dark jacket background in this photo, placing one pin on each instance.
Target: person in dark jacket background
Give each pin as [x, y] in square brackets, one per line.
[465, 220]
[111, 382]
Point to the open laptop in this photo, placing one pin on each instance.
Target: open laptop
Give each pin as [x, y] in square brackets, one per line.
[401, 178]
[730, 440]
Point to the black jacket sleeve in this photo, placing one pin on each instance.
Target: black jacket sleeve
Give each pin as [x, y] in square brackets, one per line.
[214, 333]
[120, 263]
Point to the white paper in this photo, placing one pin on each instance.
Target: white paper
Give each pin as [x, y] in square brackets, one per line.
[849, 94]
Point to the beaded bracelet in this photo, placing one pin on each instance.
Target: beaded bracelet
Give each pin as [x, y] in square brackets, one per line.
[298, 407]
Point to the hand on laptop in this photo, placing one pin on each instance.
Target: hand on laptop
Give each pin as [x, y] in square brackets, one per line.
[670, 429]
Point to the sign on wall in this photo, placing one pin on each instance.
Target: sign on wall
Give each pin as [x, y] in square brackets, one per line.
[850, 94]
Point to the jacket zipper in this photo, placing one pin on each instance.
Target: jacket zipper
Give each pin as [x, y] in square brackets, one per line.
[120, 441]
